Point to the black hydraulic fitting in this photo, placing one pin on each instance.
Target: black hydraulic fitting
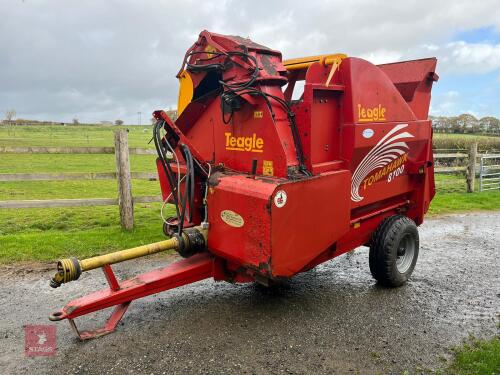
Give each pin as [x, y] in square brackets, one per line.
[191, 241]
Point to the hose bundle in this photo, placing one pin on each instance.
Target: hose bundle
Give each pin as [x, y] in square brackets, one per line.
[234, 90]
[187, 199]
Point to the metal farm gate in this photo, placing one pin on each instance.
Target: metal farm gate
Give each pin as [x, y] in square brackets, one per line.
[489, 173]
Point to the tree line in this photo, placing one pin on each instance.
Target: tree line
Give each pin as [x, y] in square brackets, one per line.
[465, 124]
[10, 119]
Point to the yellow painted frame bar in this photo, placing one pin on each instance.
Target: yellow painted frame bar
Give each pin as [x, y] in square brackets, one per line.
[305, 62]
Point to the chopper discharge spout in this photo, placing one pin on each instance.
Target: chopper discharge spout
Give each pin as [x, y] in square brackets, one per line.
[70, 269]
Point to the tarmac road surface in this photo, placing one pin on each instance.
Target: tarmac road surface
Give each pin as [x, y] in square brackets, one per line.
[333, 319]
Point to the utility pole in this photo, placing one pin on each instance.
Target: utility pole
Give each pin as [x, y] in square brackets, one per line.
[139, 117]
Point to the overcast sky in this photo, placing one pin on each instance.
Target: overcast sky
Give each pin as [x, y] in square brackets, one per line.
[107, 60]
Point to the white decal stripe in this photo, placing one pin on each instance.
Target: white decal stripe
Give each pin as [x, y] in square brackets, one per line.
[385, 151]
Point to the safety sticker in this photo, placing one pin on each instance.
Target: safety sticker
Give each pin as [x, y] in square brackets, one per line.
[280, 198]
[267, 168]
[232, 219]
[258, 114]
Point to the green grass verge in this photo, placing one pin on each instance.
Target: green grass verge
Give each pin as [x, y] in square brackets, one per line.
[446, 203]
[72, 189]
[479, 357]
[451, 197]
[48, 234]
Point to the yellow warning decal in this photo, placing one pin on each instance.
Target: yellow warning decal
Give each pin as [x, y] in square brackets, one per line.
[258, 114]
[210, 49]
[267, 168]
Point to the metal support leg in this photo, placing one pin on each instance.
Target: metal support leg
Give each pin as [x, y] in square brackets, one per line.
[109, 327]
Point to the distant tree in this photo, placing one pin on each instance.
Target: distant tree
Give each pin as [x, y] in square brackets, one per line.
[119, 122]
[10, 114]
[75, 121]
[441, 124]
[489, 125]
[454, 125]
[468, 123]
[495, 128]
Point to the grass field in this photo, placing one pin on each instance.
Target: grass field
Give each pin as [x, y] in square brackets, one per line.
[47, 234]
[462, 141]
[72, 135]
[477, 357]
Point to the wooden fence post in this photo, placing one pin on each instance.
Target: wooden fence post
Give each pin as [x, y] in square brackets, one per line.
[125, 200]
[471, 169]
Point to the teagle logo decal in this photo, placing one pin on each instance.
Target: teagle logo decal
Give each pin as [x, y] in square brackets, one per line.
[252, 144]
[371, 114]
[389, 154]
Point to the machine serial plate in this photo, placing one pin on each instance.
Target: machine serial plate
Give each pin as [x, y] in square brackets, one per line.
[232, 219]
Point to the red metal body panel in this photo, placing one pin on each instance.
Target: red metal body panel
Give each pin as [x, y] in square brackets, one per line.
[367, 87]
[413, 79]
[247, 242]
[277, 241]
[315, 216]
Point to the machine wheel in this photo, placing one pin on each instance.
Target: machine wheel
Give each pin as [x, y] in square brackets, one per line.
[394, 251]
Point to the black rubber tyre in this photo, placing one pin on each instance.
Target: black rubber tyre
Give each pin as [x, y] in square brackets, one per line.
[394, 250]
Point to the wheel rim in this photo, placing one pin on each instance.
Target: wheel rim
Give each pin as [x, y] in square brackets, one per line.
[406, 253]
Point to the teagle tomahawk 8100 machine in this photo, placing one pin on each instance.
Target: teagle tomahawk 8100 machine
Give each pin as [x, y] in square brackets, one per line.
[266, 186]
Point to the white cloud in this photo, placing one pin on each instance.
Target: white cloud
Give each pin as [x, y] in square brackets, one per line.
[479, 57]
[382, 56]
[128, 52]
[446, 104]
[453, 57]
[468, 58]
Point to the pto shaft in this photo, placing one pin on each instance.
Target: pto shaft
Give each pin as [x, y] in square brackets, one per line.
[190, 242]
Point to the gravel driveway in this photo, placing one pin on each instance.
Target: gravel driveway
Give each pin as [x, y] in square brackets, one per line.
[333, 319]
